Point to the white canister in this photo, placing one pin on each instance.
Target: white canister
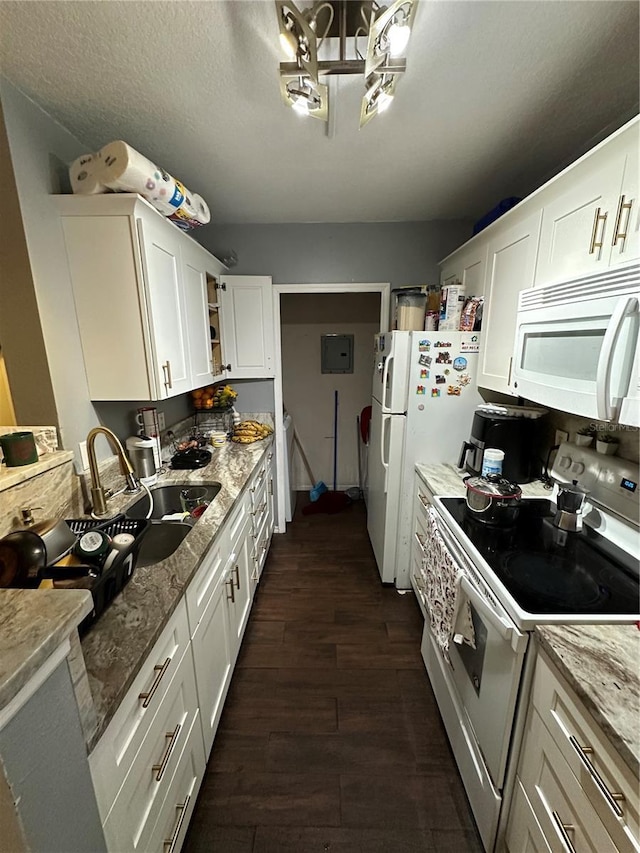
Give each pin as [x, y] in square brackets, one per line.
[492, 461]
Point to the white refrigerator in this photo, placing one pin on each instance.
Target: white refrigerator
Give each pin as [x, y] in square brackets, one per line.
[423, 400]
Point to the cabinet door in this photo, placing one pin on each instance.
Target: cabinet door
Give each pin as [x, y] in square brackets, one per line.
[212, 659]
[194, 279]
[163, 285]
[468, 268]
[578, 222]
[247, 326]
[625, 234]
[239, 586]
[511, 260]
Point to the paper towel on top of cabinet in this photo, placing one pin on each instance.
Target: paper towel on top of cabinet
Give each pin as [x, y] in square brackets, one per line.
[119, 167]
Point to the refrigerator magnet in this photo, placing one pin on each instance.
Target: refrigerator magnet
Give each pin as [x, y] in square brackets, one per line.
[435, 392]
[440, 379]
[443, 357]
[424, 346]
[421, 389]
[424, 373]
[442, 344]
[460, 363]
[425, 359]
[453, 391]
[472, 345]
[464, 379]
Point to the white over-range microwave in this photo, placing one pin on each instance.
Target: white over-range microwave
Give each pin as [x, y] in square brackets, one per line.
[576, 346]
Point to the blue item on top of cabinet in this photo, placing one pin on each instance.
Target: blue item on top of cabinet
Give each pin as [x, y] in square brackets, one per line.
[502, 207]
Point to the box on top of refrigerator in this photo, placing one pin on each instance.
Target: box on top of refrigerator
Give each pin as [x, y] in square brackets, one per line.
[451, 302]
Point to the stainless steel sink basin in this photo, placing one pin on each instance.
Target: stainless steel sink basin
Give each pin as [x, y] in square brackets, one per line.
[160, 541]
[166, 500]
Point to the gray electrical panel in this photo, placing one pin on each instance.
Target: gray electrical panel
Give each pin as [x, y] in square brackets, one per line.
[337, 353]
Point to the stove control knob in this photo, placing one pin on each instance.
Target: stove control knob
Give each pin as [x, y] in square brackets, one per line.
[565, 462]
[577, 468]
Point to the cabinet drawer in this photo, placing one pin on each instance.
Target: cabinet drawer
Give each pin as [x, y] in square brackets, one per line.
[523, 832]
[257, 486]
[234, 525]
[260, 546]
[111, 759]
[203, 584]
[600, 771]
[137, 806]
[423, 498]
[171, 827]
[562, 808]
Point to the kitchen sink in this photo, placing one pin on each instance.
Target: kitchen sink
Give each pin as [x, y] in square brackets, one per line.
[160, 541]
[166, 501]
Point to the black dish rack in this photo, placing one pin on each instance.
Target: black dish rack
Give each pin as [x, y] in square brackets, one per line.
[109, 582]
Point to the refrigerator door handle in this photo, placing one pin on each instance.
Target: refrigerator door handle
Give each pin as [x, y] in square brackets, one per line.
[385, 463]
[385, 374]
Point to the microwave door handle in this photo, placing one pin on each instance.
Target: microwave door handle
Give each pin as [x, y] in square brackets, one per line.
[625, 306]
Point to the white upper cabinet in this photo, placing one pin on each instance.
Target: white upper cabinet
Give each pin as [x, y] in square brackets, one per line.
[166, 306]
[246, 304]
[591, 214]
[511, 262]
[140, 287]
[466, 267]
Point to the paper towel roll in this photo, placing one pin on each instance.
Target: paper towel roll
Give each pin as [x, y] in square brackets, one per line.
[118, 166]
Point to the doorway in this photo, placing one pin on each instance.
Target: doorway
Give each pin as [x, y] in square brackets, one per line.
[302, 315]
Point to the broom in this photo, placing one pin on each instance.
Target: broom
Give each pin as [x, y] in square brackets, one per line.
[319, 487]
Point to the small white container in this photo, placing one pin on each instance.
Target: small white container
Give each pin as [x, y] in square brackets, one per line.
[492, 461]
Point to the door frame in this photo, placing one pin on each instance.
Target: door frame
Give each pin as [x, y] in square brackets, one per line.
[383, 288]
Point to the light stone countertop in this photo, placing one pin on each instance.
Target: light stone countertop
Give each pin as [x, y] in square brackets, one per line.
[34, 623]
[602, 665]
[115, 647]
[446, 481]
[14, 476]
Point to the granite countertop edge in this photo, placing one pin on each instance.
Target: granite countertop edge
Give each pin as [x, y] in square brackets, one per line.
[600, 663]
[115, 647]
[35, 623]
[447, 481]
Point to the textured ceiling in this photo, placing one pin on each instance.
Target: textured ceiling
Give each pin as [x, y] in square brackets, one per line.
[496, 97]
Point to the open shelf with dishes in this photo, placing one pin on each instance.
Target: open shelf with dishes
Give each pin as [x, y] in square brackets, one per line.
[217, 363]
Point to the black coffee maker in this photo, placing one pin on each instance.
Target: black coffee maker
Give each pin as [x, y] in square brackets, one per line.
[517, 436]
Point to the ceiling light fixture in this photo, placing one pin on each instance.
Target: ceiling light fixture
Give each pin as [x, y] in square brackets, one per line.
[386, 28]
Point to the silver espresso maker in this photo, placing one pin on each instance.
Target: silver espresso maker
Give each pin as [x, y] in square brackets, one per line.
[570, 503]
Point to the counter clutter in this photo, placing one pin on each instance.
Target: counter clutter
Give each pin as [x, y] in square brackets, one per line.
[115, 646]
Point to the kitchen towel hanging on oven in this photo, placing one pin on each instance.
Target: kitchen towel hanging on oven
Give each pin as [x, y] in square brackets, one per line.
[449, 609]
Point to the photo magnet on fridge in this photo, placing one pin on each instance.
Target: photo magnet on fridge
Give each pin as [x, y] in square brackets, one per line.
[424, 346]
[440, 379]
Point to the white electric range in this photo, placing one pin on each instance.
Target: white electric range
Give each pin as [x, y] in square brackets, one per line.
[517, 577]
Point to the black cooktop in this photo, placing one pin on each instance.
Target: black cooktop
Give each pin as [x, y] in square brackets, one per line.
[547, 570]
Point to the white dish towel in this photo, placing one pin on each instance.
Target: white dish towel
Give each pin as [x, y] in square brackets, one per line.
[449, 608]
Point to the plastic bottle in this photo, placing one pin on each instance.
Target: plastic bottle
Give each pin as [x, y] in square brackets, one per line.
[492, 461]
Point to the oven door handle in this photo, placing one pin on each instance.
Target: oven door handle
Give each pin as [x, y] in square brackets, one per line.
[507, 631]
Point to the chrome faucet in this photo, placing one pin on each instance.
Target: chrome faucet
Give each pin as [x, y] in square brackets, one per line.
[98, 494]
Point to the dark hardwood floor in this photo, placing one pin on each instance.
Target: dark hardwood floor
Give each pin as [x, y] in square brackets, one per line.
[330, 739]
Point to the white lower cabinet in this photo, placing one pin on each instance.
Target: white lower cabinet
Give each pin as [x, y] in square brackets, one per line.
[149, 763]
[573, 792]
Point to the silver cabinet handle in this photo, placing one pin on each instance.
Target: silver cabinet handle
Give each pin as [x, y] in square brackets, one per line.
[612, 798]
[159, 769]
[160, 670]
[236, 569]
[169, 844]
[166, 369]
[421, 542]
[231, 597]
[564, 829]
[598, 217]
[617, 233]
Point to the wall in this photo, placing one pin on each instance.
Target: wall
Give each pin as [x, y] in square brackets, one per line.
[40, 149]
[403, 253]
[309, 395]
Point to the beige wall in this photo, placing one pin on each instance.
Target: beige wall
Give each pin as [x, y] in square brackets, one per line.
[309, 394]
[10, 828]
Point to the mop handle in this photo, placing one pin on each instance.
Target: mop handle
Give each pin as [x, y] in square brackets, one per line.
[335, 440]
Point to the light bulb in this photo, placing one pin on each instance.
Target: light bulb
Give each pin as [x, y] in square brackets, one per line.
[289, 44]
[384, 101]
[398, 38]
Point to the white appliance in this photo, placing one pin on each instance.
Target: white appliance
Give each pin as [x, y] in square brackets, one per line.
[576, 346]
[516, 577]
[424, 396]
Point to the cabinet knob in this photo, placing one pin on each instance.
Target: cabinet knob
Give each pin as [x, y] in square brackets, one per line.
[227, 367]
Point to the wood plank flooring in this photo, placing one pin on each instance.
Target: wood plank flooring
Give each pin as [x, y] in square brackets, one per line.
[330, 740]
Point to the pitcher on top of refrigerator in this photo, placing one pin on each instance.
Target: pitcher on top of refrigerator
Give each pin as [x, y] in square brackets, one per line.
[424, 396]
